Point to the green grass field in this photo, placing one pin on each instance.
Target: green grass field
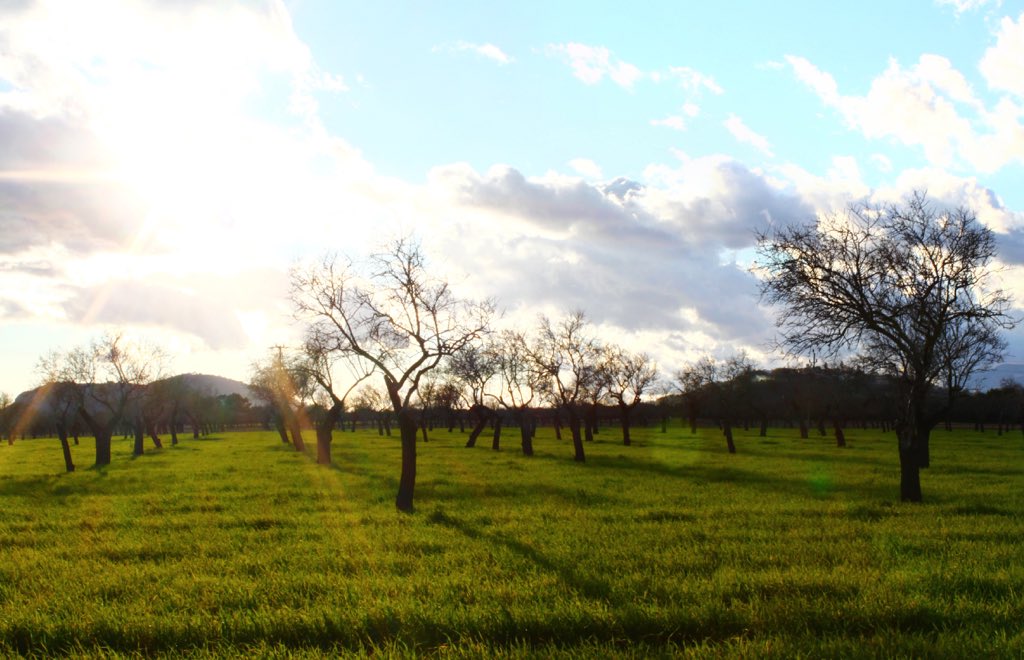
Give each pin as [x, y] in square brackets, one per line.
[237, 545]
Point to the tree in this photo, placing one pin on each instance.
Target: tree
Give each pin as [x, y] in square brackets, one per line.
[629, 376]
[908, 287]
[126, 369]
[515, 391]
[320, 366]
[395, 317]
[563, 358]
[283, 383]
[474, 367]
[58, 396]
[692, 382]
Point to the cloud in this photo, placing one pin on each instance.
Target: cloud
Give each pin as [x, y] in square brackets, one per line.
[930, 105]
[961, 6]
[694, 81]
[586, 167]
[744, 134]
[130, 302]
[592, 63]
[678, 122]
[657, 255]
[487, 50]
[1003, 64]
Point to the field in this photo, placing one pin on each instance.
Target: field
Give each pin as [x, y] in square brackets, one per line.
[237, 545]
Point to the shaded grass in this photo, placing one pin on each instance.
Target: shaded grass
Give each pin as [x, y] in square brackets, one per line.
[671, 547]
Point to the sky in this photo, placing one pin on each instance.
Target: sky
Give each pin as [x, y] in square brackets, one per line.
[164, 164]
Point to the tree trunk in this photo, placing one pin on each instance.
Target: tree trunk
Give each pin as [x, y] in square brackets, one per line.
[325, 433]
[763, 430]
[154, 437]
[526, 434]
[803, 429]
[727, 432]
[407, 481]
[624, 412]
[910, 474]
[482, 416]
[840, 436]
[103, 440]
[496, 439]
[912, 433]
[140, 439]
[281, 431]
[423, 429]
[62, 434]
[296, 433]
[577, 438]
[380, 426]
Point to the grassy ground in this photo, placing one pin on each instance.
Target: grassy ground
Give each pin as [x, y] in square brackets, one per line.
[237, 545]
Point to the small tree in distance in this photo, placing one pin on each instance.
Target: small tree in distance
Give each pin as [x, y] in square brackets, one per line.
[397, 319]
[908, 288]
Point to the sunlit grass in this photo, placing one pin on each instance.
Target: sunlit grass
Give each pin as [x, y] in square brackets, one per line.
[237, 545]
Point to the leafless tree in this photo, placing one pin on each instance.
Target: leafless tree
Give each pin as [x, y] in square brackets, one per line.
[126, 368]
[474, 366]
[515, 391]
[563, 356]
[396, 318]
[334, 376]
[692, 382]
[56, 397]
[630, 375]
[908, 287]
[283, 383]
[371, 399]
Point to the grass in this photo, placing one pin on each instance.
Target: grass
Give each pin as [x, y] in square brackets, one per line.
[235, 545]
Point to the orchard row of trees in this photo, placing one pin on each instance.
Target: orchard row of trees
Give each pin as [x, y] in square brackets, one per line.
[903, 292]
[112, 386]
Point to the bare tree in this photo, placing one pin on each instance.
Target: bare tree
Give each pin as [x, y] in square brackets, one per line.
[283, 383]
[692, 382]
[515, 392]
[563, 356]
[58, 396]
[321, 366]
[126, 369]
[396, 318]
[629, 376]
[474, 367]
[908, 287]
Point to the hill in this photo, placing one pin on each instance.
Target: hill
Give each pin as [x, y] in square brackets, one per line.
[205, 383]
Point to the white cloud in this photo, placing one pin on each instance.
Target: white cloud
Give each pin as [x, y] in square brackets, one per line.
[678, 122]
[592, 63]
[744, 134]
[961, 6]
[586, 167]
[675, 122]
[928, 106]
[882, 162]
[694, 81]
[487, 50]
[1003, 64]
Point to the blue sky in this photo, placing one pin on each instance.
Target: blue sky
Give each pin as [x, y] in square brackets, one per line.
[162, 165]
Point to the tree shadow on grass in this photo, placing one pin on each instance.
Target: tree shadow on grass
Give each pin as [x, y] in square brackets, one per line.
[591, 587]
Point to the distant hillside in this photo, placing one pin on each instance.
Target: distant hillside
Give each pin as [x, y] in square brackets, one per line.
[218, 385]
[205, 383]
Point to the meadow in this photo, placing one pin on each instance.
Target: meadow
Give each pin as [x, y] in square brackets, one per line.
[235, 544]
